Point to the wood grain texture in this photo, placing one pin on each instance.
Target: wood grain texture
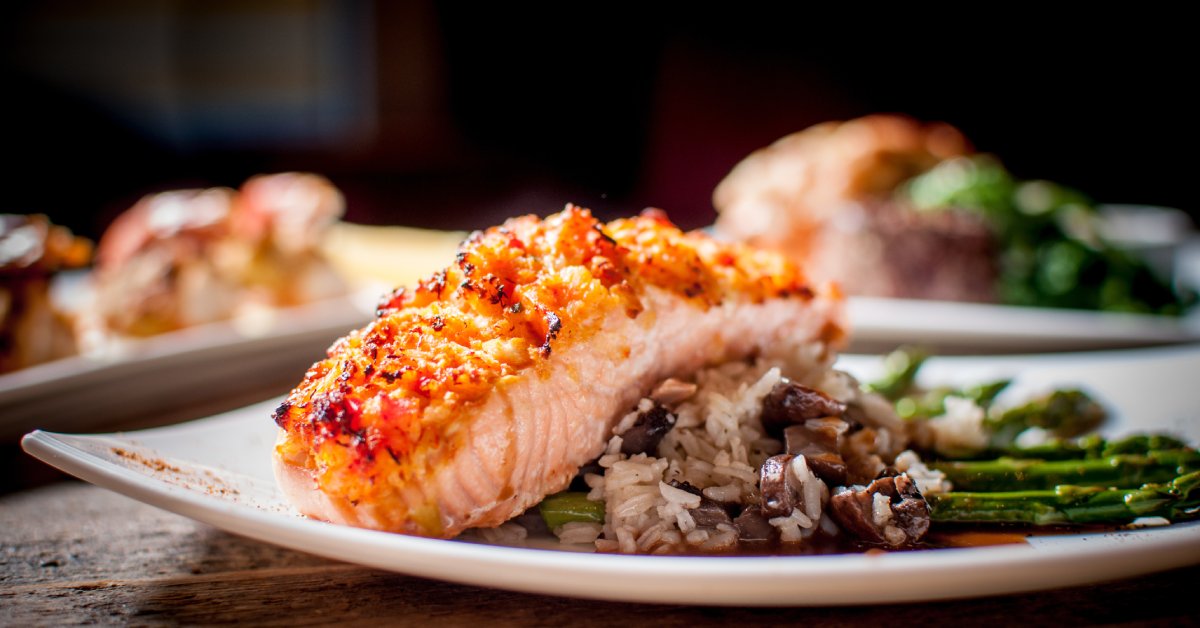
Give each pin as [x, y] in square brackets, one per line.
[73, 553]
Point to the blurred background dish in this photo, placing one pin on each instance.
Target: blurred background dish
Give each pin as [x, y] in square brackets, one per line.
[193, 292]
[936, 243]
[33, 329]
[194, 367]
[187, 257]
[889, 206]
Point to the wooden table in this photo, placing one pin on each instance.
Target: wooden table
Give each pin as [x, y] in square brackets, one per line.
[75, 553]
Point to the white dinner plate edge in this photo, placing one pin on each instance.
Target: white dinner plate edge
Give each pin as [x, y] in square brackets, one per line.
[547, 571]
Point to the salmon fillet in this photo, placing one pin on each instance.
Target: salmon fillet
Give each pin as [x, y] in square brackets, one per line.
[474, 395]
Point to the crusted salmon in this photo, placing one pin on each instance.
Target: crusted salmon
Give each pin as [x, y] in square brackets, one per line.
[473, 396]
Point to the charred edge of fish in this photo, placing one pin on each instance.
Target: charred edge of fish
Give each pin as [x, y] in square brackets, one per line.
[281, 413]
[331, 412]
[435, 284]
[437, 323]
[390, 302]
[600, 230]
[495, 293]
[553, 326]
[361, 441]
[498, 296]
[439, 282]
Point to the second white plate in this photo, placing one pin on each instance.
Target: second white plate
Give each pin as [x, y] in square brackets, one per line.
[200, 367]
[879, 324]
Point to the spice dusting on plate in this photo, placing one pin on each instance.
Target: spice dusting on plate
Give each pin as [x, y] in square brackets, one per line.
[154, 464]
[209, 484]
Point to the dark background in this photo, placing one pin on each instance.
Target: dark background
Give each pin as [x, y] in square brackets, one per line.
[436, 115]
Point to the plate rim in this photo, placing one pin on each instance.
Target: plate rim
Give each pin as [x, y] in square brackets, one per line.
[287, 324]
[1053, 329]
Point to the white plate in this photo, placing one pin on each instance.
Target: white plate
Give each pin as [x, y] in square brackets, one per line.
[879, 324]
[138, 378]
[217, 470]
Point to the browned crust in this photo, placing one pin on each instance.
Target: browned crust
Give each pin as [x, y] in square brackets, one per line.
[385, 409]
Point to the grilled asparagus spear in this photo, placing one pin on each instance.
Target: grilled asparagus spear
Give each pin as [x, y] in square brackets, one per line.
[1118, 470]
[1176, 500]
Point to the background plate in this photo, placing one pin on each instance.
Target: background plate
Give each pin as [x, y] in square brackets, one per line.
[203, 369]
[880, 324]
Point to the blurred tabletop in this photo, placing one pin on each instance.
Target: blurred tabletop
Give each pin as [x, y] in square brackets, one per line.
[73, 553]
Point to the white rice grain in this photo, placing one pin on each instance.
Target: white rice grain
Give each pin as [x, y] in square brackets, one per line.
[685, 521]
[828, 526]
[579, 532]
[678, 495]
[812, 487]
[960, 430]
[650, 538]
[725, 494]
[626, 541]
[634, 505]
[723, 538]
[929, 481]
[738, 471]
[505, 534]
[881, 510]
[791, 528]
[607, 545]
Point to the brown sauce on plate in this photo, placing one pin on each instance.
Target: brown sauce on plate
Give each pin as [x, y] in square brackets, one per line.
[941, 537]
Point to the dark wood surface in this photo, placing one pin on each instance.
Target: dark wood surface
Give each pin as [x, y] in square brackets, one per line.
[74, 553]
